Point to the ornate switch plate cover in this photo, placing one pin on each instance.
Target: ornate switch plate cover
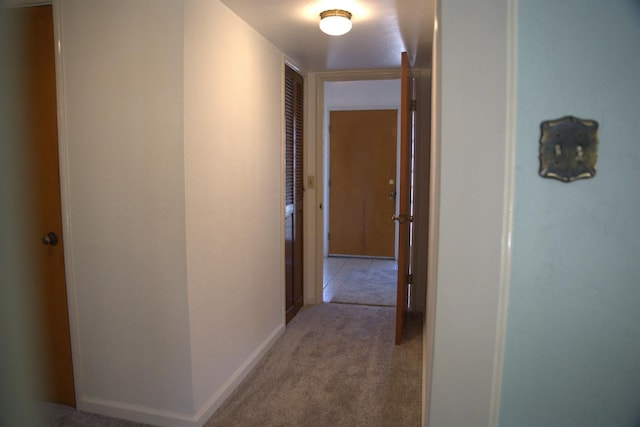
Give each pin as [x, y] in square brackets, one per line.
[568, 148]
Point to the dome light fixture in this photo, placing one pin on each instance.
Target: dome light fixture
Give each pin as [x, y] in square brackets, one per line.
[335, 22]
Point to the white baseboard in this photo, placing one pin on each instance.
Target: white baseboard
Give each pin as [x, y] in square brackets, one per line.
[140, 414]
[164, 418]
[218, 398]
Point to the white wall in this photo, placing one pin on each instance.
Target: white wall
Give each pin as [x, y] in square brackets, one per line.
[572, 355]
[362, 94]
[472, 119]
[233, 160]
[124, 181]
[171, 147]
[312, 212]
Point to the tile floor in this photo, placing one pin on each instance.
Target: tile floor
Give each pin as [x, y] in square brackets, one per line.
[336, 268]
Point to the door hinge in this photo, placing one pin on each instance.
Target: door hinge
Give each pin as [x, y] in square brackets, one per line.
[410, 279]
[413, 105]
[328, 236]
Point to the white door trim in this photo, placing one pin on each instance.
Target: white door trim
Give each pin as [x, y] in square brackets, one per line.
[507, 225]
[63, 156]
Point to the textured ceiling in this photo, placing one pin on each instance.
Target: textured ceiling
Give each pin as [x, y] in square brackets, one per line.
[382, 29]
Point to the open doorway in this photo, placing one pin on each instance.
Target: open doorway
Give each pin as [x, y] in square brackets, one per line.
[362, 271]
[343, 82]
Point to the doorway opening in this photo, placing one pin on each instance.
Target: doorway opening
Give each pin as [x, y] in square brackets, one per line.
[358, 274]
[417, 127]
[360, 118]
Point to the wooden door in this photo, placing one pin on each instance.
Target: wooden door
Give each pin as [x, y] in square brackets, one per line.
[42, 177]
[294, 191]
[362, 174]
[404, 216]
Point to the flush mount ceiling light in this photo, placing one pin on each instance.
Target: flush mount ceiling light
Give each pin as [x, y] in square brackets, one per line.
[335, 22]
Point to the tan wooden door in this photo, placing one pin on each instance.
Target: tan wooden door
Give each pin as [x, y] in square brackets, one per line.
[362, 174]
[404, 216]
[46, 239]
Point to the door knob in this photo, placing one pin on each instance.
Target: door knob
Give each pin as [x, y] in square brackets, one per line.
[50, 239]
[402, 218]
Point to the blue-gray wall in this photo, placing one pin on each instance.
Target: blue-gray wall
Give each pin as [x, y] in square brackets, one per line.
[572, 353]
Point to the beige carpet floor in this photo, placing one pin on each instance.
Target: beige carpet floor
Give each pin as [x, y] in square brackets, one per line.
[52, 415]
[367, 287]
[336, 365]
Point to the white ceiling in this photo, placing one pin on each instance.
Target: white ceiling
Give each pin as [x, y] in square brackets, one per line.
[382, 30]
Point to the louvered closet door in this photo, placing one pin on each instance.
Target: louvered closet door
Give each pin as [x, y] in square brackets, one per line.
[294, 97]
